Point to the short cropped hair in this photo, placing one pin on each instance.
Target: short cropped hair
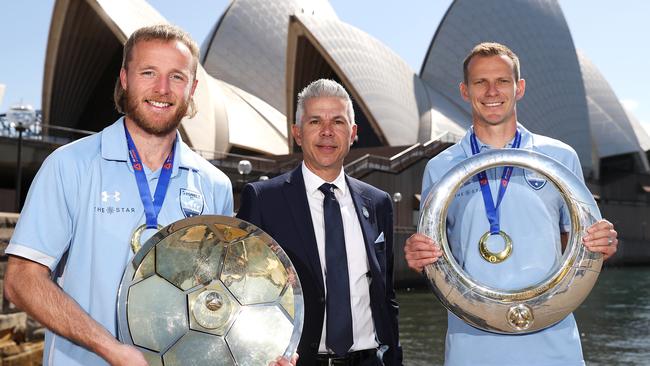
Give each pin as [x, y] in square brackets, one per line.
[323, 88]
[158, 32]
[486, 49]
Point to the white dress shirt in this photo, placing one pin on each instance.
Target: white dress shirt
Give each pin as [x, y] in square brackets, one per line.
[363, 329]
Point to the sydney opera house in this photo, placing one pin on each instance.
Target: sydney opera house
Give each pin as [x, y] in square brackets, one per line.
[260, 53]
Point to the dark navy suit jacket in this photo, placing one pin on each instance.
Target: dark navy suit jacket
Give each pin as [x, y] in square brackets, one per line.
[279, 206]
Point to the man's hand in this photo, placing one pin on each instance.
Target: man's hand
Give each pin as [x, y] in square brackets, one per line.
[281, 361]
[601, 238]
[419, 251]
[125, 355]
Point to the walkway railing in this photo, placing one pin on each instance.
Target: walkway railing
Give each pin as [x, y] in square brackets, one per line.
[50, 134]
[58, 135]
[398, 162]
[259, 164]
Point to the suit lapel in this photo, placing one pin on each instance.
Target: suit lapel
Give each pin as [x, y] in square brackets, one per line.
[366, 214]
[296, 197]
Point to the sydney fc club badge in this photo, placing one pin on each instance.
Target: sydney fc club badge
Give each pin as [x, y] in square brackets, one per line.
[534, 179]
[191, 202]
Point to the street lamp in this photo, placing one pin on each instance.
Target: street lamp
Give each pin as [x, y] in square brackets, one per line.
[244, 167]
[20, 118]
[397, 197]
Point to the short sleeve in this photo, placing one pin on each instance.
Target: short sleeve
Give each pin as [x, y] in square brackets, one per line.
[224, 199]
[44, 228]
[227, 200]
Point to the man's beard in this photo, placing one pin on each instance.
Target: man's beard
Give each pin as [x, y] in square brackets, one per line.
[161, 128]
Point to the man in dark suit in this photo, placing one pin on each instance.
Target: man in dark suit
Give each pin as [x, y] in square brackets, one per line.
[338, 232]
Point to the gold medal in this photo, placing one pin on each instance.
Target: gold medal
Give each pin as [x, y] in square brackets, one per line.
[493, 257]
[135, 238]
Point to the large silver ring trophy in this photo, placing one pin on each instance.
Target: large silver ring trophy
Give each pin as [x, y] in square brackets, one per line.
[210, 290]
[527, 309]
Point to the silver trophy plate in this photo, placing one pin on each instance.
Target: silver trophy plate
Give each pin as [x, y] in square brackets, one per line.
[210, 290]
[533, 307]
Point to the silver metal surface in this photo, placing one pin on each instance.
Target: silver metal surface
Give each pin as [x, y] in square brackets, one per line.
[528, 309]
[211, 288]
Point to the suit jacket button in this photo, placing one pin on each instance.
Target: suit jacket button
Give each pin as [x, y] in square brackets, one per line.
[314, 346]
[322, 300]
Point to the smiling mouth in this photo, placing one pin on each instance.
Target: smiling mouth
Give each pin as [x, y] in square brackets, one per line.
[159, 104]
[326, 147]
[493, 104]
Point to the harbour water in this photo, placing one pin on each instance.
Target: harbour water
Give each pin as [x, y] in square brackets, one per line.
[614, 321]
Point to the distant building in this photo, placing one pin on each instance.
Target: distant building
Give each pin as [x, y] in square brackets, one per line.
[261, 53]
[253, 69]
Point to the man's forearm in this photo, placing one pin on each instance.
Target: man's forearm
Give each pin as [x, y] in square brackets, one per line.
[29, 287]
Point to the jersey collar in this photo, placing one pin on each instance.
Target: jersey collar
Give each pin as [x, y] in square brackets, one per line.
[114, 148]
[526, 140]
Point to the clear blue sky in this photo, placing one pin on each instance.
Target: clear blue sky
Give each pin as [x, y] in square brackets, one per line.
[613, 34]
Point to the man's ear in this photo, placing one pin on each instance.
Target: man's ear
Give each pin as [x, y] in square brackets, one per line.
[123, 78]
[521, 89]
[463, 91]
[296, 132]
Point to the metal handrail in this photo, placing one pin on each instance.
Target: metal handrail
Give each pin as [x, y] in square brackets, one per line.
[44, 132]
[59, 135]
[400, 161]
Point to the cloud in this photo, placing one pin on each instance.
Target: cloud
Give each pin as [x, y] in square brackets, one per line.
[630, 104]
[646, 125]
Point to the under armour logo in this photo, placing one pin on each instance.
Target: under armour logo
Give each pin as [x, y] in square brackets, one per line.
[115, 196]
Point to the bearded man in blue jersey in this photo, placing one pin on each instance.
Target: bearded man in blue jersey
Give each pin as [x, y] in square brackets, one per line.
[72, 241]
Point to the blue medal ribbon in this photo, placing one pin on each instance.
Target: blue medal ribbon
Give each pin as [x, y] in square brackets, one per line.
[492, 210]
[151, 207]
